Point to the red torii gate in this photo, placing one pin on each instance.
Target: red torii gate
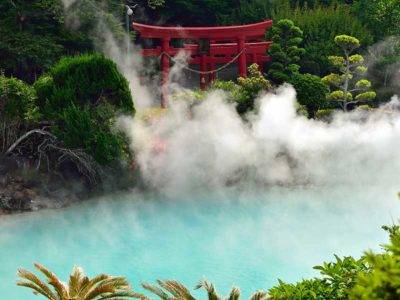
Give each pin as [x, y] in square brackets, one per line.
[207, 47]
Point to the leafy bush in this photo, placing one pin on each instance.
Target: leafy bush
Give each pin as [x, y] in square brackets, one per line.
[311, 92]
[382, 280]
[17, 109]
[246, 90]
[82, 95]
[17, 100]
[338, 278]
[324, 114]
[83, 80]
[375, 276]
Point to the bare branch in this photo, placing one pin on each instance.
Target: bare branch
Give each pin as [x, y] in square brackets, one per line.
[25, 136]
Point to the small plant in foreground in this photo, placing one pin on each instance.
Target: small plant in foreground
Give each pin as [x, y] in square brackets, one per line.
[169, 289]
[79, 287]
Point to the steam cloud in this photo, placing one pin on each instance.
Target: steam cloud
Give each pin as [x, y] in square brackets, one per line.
[212, 146]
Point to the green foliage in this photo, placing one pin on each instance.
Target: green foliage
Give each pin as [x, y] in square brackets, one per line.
[33, 37]
[311, 92]
[382, 17]
[376, 276]
[320, 25]
[81, 80]
[155, 3]
[285, 50]
[17, 100]
[82, 95]
[17, 110]
[383, 280]
[344, 87]
[324, 114]
[189, 13]
[93, 17]
[336, 281]
[246, 90]
[348, 44]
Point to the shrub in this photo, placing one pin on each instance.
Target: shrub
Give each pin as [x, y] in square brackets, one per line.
[382, 281]
[17, 109]
[336, 282]
[324, 114]
[82, 95]
[17, 100]
[375, 276]
[246, 90]
[311, 92]
[83, 80]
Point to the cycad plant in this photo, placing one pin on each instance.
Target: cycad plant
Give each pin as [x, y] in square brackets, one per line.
[79, 287]
[171, 290]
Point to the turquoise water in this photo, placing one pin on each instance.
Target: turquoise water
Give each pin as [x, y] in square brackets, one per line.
[243, 239]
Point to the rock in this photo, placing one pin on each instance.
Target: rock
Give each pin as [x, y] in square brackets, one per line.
[30, 193]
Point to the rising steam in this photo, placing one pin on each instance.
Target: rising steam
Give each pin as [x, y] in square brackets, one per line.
[212, 146]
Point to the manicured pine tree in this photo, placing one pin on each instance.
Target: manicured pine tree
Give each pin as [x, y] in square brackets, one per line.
[344, 88]
[285, 50]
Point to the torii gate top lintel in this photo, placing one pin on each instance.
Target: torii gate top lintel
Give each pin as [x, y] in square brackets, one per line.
[225, 32]
[224, 45]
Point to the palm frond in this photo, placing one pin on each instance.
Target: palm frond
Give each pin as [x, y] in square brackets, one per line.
[53, 280]
[75, 281]
[235, 294]
[177, 289]
[36, 281]
[124, 295]
[36, 289]
[259, 295]
[98, 291]
[112, 285]
[156, 290]
[209, 287]
[87, 283]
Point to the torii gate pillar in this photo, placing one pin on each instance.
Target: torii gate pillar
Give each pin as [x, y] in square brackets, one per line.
[165, 71]
[242, 57]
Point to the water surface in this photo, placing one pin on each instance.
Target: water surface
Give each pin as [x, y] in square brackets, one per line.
[243, 239]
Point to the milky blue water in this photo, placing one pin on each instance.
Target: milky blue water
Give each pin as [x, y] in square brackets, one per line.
[244, 239]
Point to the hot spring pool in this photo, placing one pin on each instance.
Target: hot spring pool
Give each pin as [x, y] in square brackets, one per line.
[243, 239]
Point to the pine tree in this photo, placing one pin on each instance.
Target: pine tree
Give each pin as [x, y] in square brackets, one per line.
[344, 88]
